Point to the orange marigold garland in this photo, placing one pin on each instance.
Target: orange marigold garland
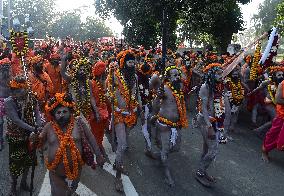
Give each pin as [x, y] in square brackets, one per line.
[210, 66]
[16, 85]
[66, 141]
[179, 97]
[237, 91]
[59, 100]
[255, 64]
[130, 100]
[274, 69]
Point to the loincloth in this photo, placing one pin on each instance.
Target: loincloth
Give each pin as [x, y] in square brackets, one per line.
[2, 107]
[121, 116]
[19, 155]
[174, 132]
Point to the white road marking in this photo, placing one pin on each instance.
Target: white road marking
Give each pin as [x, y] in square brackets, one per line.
[128, 187]
[45, 190]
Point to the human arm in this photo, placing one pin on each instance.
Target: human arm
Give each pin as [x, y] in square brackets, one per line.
[10, 109]
[279, 98]
[204, 95]
[263, 85]
[93, 103]
[92, 141]
[63, 70]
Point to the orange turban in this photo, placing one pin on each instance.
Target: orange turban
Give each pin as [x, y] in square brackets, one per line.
[99, 68]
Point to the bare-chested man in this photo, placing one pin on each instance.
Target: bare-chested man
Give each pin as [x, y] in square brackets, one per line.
[212, 106]
[64, 137]
[5, 65]
[171, 117]
[236, 89]
[23, 116]
[125, 95]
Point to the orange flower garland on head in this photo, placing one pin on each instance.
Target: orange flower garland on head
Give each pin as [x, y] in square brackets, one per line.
[16, 85]
[34, 60]
[210, 66]
[122, 59]
[5, 61]
[66, 141]
[276, 69]
[59, 97]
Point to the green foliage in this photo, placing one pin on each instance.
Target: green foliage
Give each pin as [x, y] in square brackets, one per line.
[279, 21]
[67, 23]
[264, 19]
[41, 13]
[45, 20]
[142, 20]
[93, 29]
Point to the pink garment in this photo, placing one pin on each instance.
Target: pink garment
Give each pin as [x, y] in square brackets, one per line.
[2, 108]
[275, 136]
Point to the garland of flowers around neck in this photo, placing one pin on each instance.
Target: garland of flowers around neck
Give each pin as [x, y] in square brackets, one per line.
[102, 97]
[255, 64]
[125, 91]
[272, 91]
[83, 103]
[219, 107]
[66, 140]
[179, 97]
[237, 91]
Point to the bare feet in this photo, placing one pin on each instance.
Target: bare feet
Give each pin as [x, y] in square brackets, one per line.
[121, 169]
[203, 179]
[169, 180]
[210, 178]
[25, 186]
[119, 185]
[265, 157]
[151, 154]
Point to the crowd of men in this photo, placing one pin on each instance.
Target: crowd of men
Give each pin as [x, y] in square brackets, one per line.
[63, 98]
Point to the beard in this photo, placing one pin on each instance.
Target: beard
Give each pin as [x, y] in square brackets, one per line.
[81, 76]
[176, 84]
[63, 121]
[279, 80]
[129, 76]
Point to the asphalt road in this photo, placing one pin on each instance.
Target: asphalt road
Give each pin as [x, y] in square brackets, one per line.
[238, 169]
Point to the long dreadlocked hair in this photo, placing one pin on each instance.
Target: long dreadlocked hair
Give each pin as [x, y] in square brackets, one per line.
[210, 74]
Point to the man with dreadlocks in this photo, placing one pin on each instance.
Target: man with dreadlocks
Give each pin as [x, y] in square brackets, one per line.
[40, 81]
[123, 90]
[5, 66]
[212, 106]
[81, 88]
[235, 87]
[171, 116]
[269, 87]
[23, 116]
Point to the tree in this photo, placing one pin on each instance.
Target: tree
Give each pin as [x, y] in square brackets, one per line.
[142, 19]
[41, 13]
[264, 19]
[67, 24]
[279, 21]
[94, 28]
